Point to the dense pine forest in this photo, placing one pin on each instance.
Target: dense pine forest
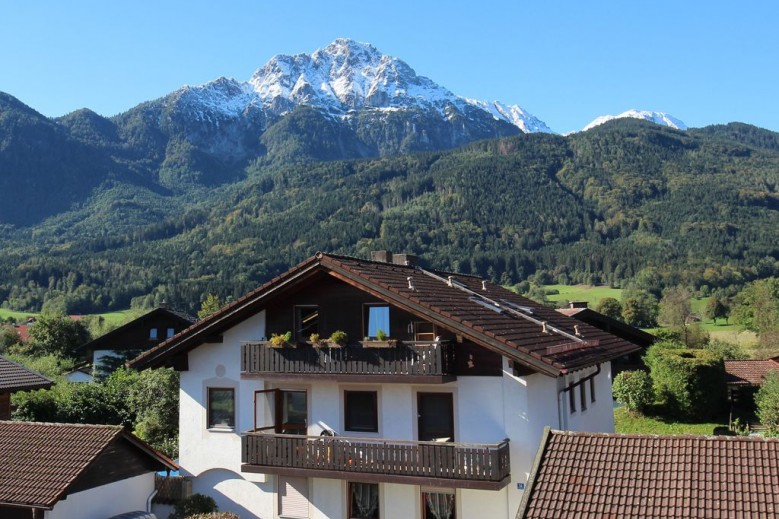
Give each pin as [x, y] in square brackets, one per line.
[96, 225]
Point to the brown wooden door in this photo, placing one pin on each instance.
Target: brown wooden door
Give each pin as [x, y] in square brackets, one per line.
[435, 417]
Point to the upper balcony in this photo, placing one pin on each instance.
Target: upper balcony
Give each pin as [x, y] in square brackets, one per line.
[371, 460]
[407, 362]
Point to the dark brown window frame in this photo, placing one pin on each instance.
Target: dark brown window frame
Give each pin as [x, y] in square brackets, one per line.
[375, 418]
[350, 498]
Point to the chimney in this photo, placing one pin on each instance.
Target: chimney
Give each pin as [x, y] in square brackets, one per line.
[408, 260]
[577, 304]
[382, 256]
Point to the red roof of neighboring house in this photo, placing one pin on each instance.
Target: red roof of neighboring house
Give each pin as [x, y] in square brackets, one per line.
[599, 476]
[15, 377]
[748, 372]
[488, 314]
[41, 461]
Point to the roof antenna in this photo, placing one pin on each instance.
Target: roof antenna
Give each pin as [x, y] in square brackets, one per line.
[410, 283]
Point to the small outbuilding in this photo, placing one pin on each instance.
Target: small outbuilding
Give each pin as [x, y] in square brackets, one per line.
[15, 377]
[62, 471]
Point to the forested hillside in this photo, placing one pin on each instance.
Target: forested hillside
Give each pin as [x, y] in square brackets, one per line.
[627, 200]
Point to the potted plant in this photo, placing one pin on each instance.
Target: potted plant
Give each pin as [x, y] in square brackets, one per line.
[337, 339]
[281, 341]
[316, 341]
[381, 341]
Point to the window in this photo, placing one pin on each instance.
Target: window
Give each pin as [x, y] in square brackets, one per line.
[377, 318]
[306, 321]
[572, 397]
[363, 501]
[438, 504]
[424, 331]
[171, 333]
[153, 334]
[293, 497]
[221, 408]
[583, 395]
[362, 413]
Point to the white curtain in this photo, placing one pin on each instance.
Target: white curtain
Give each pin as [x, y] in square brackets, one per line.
[366, 499]
[440, 505]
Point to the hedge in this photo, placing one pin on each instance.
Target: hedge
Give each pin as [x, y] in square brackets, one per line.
[689, 382]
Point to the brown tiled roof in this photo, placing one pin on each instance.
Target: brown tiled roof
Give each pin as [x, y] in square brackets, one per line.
[15, 377]
[40, 461]
[589, 476]
[513, 328]
[748, 372]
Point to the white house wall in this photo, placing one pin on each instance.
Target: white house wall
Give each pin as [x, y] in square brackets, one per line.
[127, 495]
[486, 409]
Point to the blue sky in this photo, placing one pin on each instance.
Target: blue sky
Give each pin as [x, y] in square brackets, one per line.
[565, 61]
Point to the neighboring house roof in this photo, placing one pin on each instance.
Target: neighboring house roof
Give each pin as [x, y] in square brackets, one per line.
[110, 340]
[42, 461]
[607, 324]
[15, 377]
[600, 475]
[748, 372]
[466, 307]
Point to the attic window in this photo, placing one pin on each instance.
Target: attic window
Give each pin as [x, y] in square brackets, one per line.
[377, 317]
[153, 334]
[171, 333]
[306, 321]
[487, 305]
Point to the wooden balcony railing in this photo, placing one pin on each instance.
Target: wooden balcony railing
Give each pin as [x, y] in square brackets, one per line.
[407, 359]
[461, 465]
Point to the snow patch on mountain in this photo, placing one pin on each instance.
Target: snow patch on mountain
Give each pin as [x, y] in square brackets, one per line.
[660, 118]
[513, 114]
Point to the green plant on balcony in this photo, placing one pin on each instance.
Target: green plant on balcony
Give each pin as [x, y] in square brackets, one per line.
[337, 338]
[280, 341]
[381, 341]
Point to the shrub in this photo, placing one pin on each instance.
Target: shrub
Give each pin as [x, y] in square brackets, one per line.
[690, 382]
[194, 505]
[339, 337]
[767, 402]
[633, 389]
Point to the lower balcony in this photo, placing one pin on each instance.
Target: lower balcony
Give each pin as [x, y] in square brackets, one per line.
[437, 464]
[408, 362]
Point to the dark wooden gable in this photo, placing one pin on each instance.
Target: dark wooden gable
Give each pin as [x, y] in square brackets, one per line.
[120, 460]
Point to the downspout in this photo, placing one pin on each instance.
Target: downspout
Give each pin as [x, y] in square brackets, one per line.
[148, 501]
[561, 415]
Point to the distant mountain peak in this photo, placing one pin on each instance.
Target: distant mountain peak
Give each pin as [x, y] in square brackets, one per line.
[661, 118]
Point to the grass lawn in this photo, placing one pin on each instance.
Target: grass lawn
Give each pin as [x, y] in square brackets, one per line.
[589, 293]
[112, 318]
[628, 423]
[19, 316]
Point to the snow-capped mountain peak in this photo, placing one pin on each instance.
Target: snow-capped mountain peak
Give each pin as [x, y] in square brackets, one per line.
[660, 118]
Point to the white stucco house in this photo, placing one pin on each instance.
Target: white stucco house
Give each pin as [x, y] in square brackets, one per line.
[433, 407]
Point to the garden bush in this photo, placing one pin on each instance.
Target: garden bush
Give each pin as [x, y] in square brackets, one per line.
[689, 382]
[633, 389]
[194, 505]
[767, 402]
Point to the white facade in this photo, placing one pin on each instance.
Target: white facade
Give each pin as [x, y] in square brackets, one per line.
[486, 410]
[127, 495]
